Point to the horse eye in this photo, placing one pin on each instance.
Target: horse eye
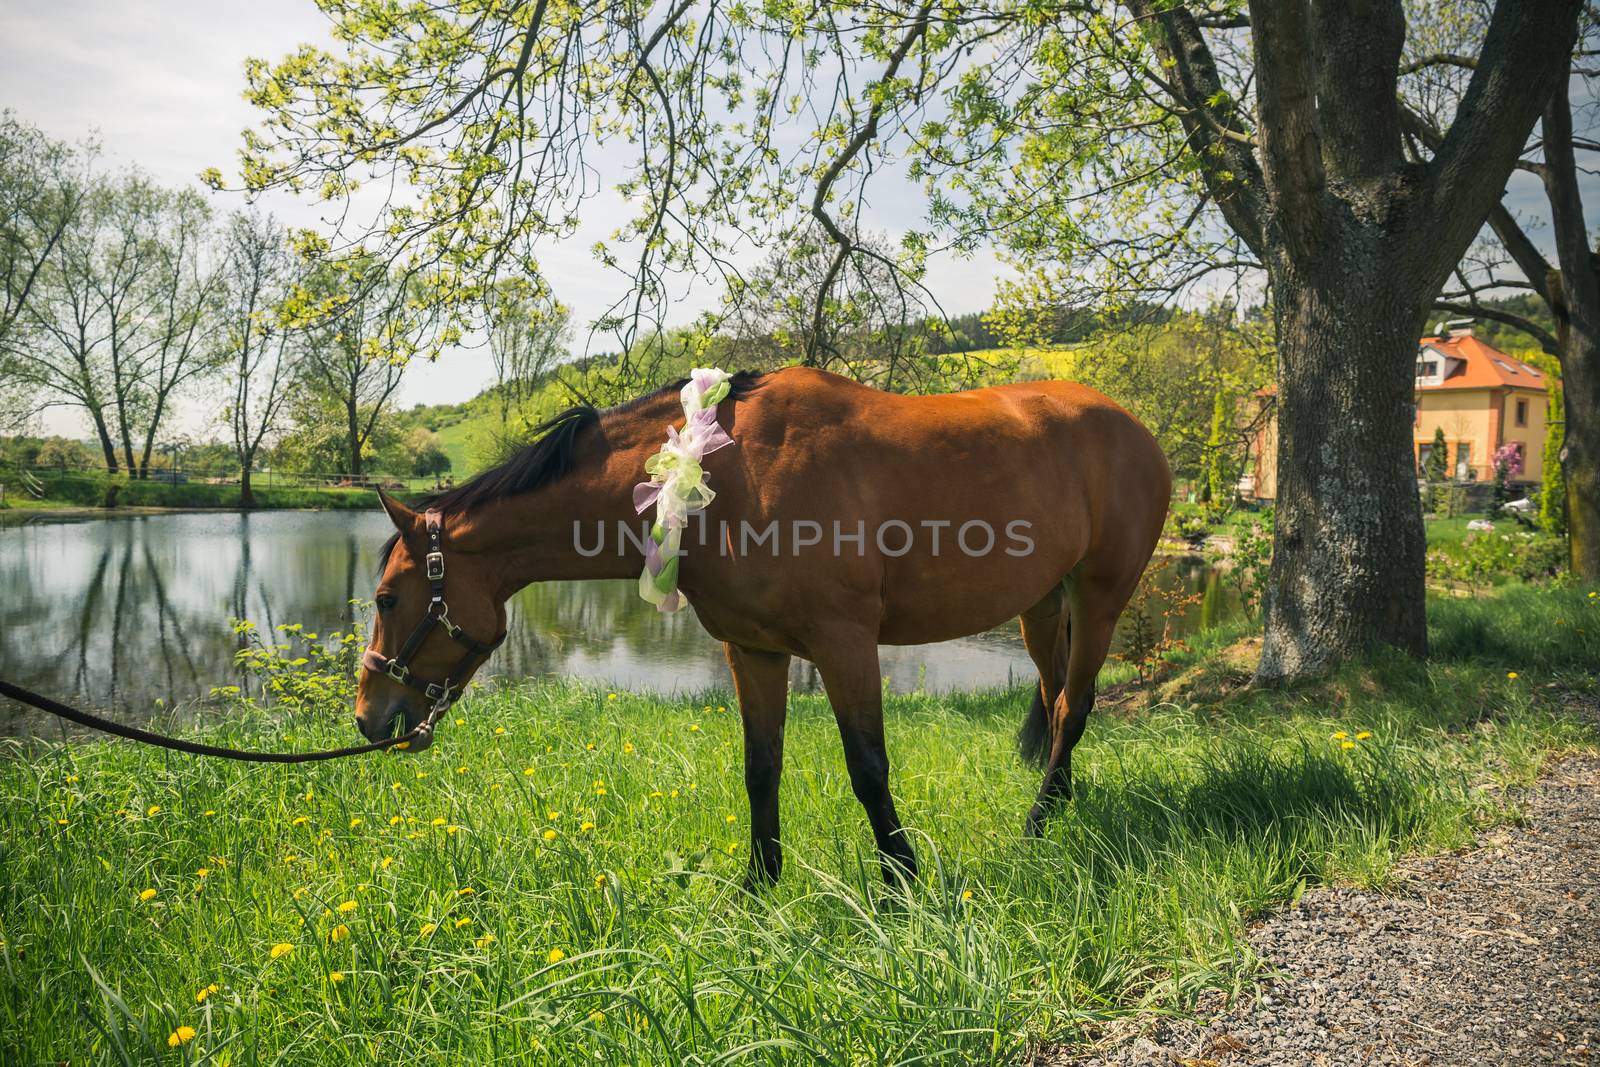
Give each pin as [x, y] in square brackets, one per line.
[385, 602]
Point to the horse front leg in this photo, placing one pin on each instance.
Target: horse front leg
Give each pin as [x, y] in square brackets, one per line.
[761, 683]
[850, 676]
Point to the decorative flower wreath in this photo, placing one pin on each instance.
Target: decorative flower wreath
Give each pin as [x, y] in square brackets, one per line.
[677, 485]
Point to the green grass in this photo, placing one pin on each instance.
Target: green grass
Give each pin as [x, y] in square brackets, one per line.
[1189, 819]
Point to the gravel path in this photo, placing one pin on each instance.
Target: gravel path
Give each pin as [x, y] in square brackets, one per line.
[1486, 957]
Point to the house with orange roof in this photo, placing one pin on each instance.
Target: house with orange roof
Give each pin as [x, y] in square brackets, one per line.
[1479, 396]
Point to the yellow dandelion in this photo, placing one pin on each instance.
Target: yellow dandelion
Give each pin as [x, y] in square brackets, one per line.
[451, 829]
[281, 949]
[549, 835]
[556, 956]
[597, 1016]
[1347, 744]
[465, 920]
[627, 746]
[71, 778]
[203, 871]
[395, 786]
[499, 730]
[300, 820]
[721, 708]
[527, 772]
[355, 823]
[461, 722]
[599, 881]
[586, 827]
[600, 791]
[694, 728]
[386, 862]
[347, 907]
[181, 1036]
[428, 928]
[338, 933]
[673, 795]
[731, 819]
[395, 820]
[1512, 675]
[552, 815]
[154, 808]
[209, 812]
[147, 894]
[1339, 735]
[966, 894]
[422, 774]
[203, 992]
[465, 891]
[335, 976]
[590, 746]
[438, 822]
[611, 696]
[1363, 735]
[733, 846]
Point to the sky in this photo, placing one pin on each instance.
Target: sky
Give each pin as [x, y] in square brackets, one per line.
[159, 85]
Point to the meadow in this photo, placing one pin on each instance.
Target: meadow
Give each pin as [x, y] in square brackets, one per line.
[558, 880]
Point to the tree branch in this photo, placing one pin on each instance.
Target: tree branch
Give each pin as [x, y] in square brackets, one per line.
[1291, 133]
[1525, 54]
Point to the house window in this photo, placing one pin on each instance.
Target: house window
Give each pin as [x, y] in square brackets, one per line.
[1464, 461]
[1423, 452]
[1522, 412]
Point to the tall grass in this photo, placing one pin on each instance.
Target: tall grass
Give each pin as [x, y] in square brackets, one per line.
[558, 879]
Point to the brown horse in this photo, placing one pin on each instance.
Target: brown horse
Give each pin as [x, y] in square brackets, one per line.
[845, 518]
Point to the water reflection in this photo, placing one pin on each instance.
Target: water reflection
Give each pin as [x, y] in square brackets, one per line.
[121, 612]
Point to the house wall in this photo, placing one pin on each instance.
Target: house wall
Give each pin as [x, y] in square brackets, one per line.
[1264, 454]
[1464, 415]
[1531, 436]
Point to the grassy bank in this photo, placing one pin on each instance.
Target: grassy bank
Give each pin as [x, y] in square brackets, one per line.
[556, 881]
[79, 489]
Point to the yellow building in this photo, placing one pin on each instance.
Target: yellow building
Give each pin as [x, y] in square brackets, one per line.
[1479, 396]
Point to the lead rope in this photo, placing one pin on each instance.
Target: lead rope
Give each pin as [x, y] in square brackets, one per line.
[194, 748]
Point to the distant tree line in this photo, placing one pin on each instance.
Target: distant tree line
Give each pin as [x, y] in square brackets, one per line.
[132, 303]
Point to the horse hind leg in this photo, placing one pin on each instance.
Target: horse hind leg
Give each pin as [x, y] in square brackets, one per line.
[1042, 634]
[1093, 607]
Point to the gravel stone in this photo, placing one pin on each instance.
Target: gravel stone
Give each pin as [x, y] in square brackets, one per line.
[1490, 956]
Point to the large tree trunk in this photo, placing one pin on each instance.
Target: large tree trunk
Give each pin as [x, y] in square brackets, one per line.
[107, 448]
[1580, 454]
[1347, 568]
[247, 496]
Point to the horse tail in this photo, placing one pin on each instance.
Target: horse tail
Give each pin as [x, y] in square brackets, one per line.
[1033, 739]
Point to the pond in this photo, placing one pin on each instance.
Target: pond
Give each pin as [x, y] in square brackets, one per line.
[123, 611]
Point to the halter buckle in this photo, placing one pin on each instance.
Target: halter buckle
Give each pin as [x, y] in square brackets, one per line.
[435, 566]
[397, 670]
[435, 691]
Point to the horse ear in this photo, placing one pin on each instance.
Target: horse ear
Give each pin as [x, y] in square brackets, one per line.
[404, 519]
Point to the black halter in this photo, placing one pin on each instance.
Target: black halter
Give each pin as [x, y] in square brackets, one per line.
[445, 693]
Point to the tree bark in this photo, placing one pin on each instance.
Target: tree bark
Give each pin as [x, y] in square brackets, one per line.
[247, 496]
[1573, 292]
[1349, 550]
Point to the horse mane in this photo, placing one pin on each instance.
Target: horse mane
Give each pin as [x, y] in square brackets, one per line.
[552, 453]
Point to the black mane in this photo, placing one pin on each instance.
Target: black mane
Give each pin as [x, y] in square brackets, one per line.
[552, 453]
